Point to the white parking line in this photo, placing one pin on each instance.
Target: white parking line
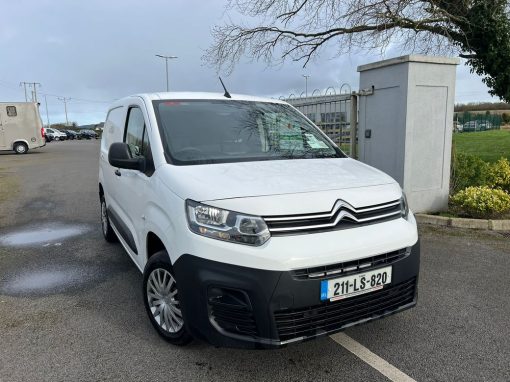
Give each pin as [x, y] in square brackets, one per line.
[379, 364]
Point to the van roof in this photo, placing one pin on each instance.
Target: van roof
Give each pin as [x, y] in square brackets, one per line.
[196, 96]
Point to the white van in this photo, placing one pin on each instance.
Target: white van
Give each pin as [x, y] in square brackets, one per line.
[21, 127]
[55, 134]
[250, 226]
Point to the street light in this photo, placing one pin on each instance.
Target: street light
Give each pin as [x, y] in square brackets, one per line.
[306, 83]
[166, 62]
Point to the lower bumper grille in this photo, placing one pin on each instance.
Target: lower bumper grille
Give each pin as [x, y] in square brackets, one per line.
[231, 311]
[330, 316]
[237, 321]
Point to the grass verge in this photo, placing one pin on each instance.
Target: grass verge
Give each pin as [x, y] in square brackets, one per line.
[488, 145]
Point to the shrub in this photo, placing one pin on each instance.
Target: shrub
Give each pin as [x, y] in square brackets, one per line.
[498, 175]
[468, 171]
[481, 202]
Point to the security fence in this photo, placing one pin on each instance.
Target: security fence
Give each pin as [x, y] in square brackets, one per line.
[466, 121]
[331, 112]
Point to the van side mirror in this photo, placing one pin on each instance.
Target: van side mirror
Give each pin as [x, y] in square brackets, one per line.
[119, 156]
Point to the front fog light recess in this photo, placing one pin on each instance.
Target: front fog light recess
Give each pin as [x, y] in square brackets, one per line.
[226, 225]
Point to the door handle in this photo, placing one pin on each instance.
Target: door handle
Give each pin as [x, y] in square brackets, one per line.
[117, 172]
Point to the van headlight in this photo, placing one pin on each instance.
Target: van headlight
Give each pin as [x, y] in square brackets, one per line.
[226, 225]
[404, 207]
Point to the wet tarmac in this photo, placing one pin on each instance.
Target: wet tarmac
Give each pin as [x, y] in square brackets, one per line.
[43, 281]
[55, 270]
[44, 234]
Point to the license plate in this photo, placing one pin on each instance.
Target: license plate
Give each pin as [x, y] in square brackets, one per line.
[349, 286]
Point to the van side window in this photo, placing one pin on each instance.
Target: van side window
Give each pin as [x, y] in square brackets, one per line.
[11, 111]
[137, 138]
[134, 132]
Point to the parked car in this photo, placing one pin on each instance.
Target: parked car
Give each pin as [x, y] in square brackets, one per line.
[469, 126]
[478, 125]
[21, 128]
[250, 226]
[485, 125]
[55, 134]
[458, 127]
[47, 136]
[71, 134]
[89, 134]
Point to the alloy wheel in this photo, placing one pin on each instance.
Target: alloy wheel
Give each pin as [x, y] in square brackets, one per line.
[162, 296]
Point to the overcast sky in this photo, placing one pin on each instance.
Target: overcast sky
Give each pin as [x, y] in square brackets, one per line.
[96, 51]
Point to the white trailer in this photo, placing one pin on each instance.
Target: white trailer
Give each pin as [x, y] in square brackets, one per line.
[21, 128]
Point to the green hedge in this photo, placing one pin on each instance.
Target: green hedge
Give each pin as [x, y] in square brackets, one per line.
[481, 202]
[480, 189]
[467, 171]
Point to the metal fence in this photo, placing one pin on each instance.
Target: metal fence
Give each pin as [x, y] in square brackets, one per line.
[465, 122]
[331, 112]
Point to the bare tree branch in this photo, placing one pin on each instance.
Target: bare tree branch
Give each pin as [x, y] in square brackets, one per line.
[298, 30]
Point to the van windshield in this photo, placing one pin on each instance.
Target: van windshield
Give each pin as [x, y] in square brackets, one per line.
[210, 131]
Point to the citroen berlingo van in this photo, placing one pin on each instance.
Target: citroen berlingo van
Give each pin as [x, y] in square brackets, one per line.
[250, 226]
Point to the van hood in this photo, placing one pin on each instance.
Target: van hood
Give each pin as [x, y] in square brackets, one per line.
[245, 179]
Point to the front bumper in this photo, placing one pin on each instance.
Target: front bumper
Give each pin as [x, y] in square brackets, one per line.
[234, 306]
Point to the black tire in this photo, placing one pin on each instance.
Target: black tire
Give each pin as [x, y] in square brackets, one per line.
[106, 228]
[20, 148]
[158, 262]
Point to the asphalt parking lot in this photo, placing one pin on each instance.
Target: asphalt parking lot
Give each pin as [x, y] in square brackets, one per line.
[71, 304]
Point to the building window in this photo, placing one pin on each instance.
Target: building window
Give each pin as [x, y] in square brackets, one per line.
[11, 111]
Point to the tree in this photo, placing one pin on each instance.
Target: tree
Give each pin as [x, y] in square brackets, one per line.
[478, 30]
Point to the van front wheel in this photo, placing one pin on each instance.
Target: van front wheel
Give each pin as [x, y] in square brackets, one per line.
[161, 300]
[107, 229]
[20, 148]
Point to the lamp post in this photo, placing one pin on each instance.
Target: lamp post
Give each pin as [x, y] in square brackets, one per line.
[306, 83]
[166, 65]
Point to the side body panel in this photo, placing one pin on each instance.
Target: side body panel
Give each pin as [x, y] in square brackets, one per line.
[139, 202]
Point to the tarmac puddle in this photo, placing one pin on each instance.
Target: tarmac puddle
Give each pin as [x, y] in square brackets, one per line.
[42, 282]
[46, 234]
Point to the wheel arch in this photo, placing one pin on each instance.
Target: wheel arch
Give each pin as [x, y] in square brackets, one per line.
[153, 244]
[24, 141]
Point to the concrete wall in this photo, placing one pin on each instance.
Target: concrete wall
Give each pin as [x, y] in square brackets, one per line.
[410, 118]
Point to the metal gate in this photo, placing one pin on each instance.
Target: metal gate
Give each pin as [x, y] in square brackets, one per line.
[332, 114]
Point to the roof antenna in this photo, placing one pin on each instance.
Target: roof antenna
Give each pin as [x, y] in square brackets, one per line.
[227, 94]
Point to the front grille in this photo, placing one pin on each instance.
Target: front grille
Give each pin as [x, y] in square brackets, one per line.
[349, 267]
[342, 216]
[293, 324]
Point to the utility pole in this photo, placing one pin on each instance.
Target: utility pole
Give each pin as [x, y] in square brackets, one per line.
[306, 83]
[47, 115]
[35, 84]
[166, 64]
[65, 100]
[24, 84]
[32, 85]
